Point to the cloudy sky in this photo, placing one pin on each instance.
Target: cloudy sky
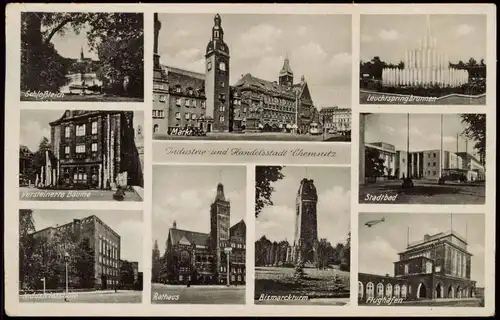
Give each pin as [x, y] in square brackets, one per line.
[185, 193]
[379, 245]
[128, 224]
[69, 44]
[460, 36]
[277, 222]
[35, 125]
[424, 131]
[319, 47]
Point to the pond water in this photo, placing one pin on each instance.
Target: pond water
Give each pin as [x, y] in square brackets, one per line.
[78, 83]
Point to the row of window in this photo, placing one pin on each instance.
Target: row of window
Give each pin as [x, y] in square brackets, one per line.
[278, 116]
[107, 271]
[108, 261]
[187, 116]
[80, 148]
[107, 247]
[398, 292]
[80, 130]
[189, 103]
[158, 114]
[232, 270]
[458, 263]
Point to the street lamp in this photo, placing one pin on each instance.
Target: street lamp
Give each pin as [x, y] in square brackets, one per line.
[228, 253]
[66, 260]
[43, 280]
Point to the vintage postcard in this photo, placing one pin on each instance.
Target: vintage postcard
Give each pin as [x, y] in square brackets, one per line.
[81, 155]
[199, 235]
[80, 256]
[303, 239]
[422, 158]
[82, 56]
[231, 77]
[434, 59]
[421, 259]
[250, 160]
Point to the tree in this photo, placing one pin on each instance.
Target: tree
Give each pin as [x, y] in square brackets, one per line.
[126, 273]
[264, 176]
[345, 264]
[374, 164]
[476, 131]
[84, 264]
[26, 228]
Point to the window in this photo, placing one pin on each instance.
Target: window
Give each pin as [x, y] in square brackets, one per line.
[178, 115]
[434, 164]
[406, 269]
[163, 98]
[178, 89]
[80, 148]
[94, 147]
[158, 114]
[388, 290]
[80, 130]
[369, 290]
[186, 116]
[434, 154]
[67, 132]
[428, 267]
[94, 127]
[403, 291]
[434, 172]
[221, 83]
[178, 101]
[221, 118]
[397, 291]
[360, 290]
[209, 65]
[193, 116]
[190, 91]
[222, 66]
[203, 104]
[380, 290]
[66, 150]
[222, 108]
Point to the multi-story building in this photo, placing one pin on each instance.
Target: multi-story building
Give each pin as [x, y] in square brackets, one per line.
[427, 164]
[202, 258]
[184, 99]
[26, 162]
[437, 267]
[104, 243]
[93, 149]
[335, 119]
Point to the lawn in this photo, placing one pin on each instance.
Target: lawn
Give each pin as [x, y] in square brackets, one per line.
[316, 283]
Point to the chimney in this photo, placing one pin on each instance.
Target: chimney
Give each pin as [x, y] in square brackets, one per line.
[174, 226]
[387, 275]
[427, 237]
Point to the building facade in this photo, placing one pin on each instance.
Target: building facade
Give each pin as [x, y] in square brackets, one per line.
[26, 163]
[426, 164]
[184, 99]
[207, 258]
[437, 267]
[93, 150]
[336, 119]
[105, 245]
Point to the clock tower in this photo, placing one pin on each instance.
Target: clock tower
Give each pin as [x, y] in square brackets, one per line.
[217, 78]
[219, 231]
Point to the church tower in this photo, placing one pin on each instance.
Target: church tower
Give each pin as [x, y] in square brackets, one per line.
[306, 222]
[286, 74]
[156, 56]
[219, 230]
[217, 78]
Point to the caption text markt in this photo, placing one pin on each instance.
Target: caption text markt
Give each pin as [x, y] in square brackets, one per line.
[247, 152]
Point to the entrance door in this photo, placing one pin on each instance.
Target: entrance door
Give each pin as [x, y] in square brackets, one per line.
[104, 282]
[421, 291]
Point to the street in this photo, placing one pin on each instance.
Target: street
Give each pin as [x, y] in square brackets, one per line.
[423, 192]
[34, 194]
[161, 293]
[255, 136]
[121, 296]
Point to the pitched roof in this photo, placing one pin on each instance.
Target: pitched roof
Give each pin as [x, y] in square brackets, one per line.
[249, 81]
[241, 224]
[193, 237]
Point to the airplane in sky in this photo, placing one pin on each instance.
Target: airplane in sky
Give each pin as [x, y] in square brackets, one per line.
[371, 223]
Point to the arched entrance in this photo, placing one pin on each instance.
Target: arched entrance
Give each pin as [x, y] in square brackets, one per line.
[360, 290]
[421, 291]
[156, 128]
[459, 292]
[451, 292]
[439, 291]
[209, 127]
[472, 292]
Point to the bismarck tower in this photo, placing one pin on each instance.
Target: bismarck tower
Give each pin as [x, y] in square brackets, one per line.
[217, 78]
[306, 222]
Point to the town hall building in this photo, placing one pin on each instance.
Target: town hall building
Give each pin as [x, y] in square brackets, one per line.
[206, 101]
[206, 258]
